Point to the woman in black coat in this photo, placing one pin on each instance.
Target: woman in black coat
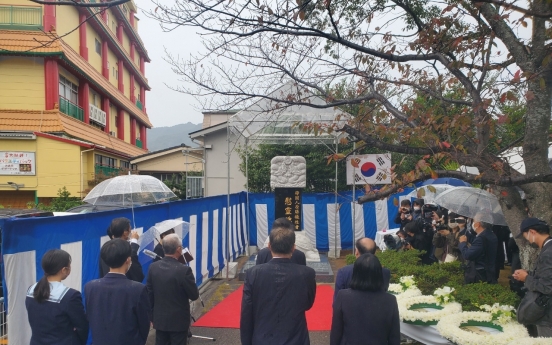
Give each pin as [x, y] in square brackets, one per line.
[56, 313]
[365, 314]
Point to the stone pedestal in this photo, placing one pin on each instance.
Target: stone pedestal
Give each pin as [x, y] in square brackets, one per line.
[324, 272]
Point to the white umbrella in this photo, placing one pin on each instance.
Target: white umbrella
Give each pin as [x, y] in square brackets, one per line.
[430, 192]
[469, 202]
[129, 190]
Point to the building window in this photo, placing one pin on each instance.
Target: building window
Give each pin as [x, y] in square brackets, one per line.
[113, 27]
[124, 164]
[98, 46]
[68, 90]
[106, 161]
[96, 99]
[115, 73]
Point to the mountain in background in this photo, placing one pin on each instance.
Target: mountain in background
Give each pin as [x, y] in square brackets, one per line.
[163, 137]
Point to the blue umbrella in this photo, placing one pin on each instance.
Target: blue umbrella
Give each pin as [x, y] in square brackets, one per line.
[447, 180]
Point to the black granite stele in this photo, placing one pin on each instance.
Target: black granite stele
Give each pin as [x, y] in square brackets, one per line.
[324, 273]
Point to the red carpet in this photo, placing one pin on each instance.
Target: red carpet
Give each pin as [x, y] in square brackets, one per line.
[226, 314]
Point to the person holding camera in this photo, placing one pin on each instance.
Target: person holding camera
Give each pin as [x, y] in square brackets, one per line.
[447, 239]
[404, 216]
[537, 233]
[481, 255]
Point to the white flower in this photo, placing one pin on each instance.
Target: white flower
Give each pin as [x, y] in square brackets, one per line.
[407, 281]
[443, 295]
[500, 313]
[430, 316]
[449, 327]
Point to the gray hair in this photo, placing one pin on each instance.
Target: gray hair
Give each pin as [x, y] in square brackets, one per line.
[171, 243]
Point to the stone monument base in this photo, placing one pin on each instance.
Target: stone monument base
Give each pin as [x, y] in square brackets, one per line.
[324, 273]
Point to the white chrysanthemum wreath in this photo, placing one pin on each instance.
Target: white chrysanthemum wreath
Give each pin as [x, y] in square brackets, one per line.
[415, 310]
[450, 328]
[405, 289]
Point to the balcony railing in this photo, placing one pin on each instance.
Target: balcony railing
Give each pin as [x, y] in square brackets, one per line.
[20, 18]
[107, 171]
[139, 105]
[139, 143]
[73, 110]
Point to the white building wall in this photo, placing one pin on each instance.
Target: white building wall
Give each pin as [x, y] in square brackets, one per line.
[216, 164]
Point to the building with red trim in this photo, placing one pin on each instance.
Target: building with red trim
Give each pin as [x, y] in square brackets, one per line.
[72, 97]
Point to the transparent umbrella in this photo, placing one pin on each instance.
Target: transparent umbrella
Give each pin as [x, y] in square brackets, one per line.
[430, 192]
[129, 190]
[469, 202]
[151, 237]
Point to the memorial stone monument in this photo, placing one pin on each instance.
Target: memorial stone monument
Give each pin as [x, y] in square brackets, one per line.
[288, 177]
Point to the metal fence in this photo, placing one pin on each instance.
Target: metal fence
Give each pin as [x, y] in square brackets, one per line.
[194, 186]
[3, 323]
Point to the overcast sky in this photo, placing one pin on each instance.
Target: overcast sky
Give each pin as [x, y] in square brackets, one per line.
[166, 107]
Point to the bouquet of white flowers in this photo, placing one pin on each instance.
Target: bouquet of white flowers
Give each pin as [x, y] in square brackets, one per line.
[501, 313]
[444, 295]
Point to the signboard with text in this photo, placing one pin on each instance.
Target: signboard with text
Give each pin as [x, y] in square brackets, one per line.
[288, 204]
[17, 163]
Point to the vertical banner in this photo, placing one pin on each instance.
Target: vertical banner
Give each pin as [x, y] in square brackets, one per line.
[288, 204]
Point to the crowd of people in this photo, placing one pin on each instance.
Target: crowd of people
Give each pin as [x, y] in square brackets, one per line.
[277, 292]
[119, 309]
[444, 236]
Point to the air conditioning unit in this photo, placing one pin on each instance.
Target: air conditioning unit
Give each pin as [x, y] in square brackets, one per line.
[113, 133]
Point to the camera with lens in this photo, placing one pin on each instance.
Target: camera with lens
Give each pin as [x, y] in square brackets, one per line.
[427, 211]
[405, 210]
[393, 242]
[517, 286]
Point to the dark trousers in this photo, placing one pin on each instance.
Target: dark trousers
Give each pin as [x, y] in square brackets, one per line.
[170, 338]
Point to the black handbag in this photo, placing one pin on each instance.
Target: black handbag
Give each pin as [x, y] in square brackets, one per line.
[532, 307]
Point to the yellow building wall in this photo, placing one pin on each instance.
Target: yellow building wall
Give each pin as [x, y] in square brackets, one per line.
[19, 3]
[126, 82]
[94, 58]
[68, 76]
[57, 165]
[98, 101]
[112, 22]
[127, 127]
[68, 20]
[21, 83]
[113, 119]
[137, 59]
[126, 42]
[112, 60]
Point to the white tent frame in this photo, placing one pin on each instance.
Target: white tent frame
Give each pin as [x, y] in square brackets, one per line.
[252, 123]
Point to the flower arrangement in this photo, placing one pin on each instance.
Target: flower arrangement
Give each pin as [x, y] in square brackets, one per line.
[450, 327]
[501, 313]
[444, 295]
[407, 282]
[397, 290]
[410, 310]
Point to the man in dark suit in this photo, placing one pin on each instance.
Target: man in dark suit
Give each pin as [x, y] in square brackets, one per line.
[481, 253]
[171, 285]
[120, 228]
[264, 255]
[276, 296]
[117, 308]
[297, 257]
[343, 278]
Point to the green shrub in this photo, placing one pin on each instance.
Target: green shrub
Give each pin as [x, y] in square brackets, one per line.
[472, 296]
[350, 259]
